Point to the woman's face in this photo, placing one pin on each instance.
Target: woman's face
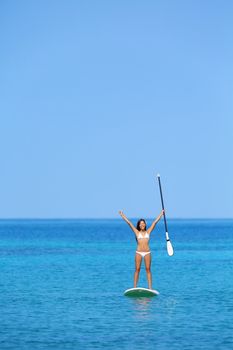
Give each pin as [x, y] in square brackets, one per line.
[142, 225]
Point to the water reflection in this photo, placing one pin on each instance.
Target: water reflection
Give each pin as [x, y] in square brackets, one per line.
[142, 306]
[147, 308]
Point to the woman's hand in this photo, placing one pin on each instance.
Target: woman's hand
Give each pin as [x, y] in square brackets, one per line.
[121, 213]
[161, 214]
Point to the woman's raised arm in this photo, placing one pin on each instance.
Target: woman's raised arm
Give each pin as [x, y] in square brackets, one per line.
[155, 222]
[128, 222]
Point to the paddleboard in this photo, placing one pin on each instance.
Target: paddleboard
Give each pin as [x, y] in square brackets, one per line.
[141, 292]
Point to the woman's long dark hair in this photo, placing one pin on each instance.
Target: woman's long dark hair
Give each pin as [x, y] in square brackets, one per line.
[138, 228]
[138, 223]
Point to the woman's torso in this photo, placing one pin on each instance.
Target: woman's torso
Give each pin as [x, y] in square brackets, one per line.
[142, 240]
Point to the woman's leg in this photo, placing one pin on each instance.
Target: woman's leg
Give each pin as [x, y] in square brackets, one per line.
[148, 272]
[138, 261]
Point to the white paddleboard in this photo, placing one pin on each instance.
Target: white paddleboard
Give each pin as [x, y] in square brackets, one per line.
[141, 292]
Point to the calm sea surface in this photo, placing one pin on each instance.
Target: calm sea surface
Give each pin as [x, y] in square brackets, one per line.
[62, 284]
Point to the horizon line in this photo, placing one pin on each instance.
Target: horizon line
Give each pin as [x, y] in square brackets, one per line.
[112, 218]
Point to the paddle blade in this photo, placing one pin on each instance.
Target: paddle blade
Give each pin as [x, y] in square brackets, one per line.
[169, 248]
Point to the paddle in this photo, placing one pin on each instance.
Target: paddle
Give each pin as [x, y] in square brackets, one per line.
[169, 245]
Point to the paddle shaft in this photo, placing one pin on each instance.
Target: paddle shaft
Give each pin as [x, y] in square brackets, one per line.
[161, 195]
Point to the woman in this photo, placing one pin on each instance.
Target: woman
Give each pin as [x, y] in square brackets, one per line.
[143, 250]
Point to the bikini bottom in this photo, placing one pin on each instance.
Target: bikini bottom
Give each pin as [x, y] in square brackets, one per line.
[143, 254]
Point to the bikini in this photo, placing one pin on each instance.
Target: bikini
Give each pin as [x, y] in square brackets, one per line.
[140, 236]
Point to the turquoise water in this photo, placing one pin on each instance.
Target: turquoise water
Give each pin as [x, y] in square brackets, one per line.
[62, 284]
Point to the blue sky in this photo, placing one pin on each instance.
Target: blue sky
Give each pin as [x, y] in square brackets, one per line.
[97, 97]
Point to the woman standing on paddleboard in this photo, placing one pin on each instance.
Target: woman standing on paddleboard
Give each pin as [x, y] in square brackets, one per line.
[143, 250]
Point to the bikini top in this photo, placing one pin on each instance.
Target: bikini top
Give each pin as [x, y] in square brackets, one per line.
[140, 236]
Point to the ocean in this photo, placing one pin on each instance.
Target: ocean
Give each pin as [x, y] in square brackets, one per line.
[62, 285]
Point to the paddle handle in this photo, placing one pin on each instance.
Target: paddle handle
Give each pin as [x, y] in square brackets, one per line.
[170, 250]
[164, 215]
